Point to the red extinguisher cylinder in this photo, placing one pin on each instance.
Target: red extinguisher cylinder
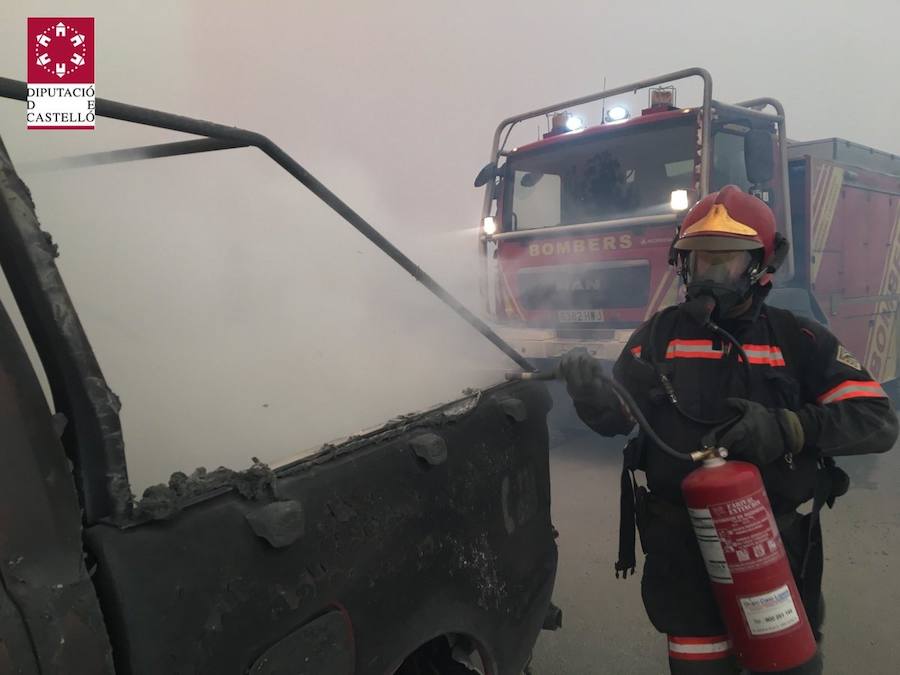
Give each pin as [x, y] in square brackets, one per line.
[748, 566]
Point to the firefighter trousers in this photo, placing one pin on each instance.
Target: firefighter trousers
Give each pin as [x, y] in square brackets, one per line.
[729, 666]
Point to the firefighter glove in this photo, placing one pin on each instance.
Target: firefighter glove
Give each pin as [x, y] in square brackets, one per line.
[761, 435]
[582, 373]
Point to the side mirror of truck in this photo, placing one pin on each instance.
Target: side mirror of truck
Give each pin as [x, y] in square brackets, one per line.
[531, 179]
[759, 158]
[487, 174]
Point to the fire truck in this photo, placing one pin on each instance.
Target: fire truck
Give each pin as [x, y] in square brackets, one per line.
[577, 226]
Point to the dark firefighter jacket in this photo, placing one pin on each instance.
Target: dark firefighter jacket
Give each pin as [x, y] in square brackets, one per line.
[795, 364]
[842, 410]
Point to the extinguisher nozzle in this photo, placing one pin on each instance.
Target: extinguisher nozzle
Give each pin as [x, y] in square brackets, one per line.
[537, 375]
[709, 453]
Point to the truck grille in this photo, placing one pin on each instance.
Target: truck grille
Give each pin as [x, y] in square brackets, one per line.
[603, 285]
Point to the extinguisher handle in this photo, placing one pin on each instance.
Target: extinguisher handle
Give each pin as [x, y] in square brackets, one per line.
[711, 439]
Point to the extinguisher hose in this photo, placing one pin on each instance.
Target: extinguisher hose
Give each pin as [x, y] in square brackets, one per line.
[738, 347]
[700, 309]
[635, 411]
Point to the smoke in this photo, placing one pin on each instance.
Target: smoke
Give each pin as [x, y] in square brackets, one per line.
[234, 314]
[237, 316]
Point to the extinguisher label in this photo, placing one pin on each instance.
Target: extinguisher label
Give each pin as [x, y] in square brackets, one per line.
[710, 546]
[748, 533]
[770, 612]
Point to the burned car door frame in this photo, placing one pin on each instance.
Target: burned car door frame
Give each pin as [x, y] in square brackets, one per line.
[434, 525]
[50, 619]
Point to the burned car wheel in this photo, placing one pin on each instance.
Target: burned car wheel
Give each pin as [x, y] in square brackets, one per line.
[442, 656]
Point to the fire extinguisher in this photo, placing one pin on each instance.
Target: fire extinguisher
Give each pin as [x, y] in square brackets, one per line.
[747, 565]
[743, 552]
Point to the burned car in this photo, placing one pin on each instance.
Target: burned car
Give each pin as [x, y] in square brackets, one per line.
[424, 545]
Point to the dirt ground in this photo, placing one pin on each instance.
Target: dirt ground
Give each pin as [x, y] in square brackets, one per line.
[604, 626]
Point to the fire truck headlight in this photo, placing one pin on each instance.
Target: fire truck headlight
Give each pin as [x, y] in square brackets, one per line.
[490, 226]
[618, 113]
[574, 123]
[679, 200]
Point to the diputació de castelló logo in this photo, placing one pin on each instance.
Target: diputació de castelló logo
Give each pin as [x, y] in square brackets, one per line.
[61, 91]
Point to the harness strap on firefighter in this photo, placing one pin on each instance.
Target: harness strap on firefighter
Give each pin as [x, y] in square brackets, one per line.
[627, 560]
[632, 456]
[831, 483]
[663, 370]
[822, 494]
[809, 579]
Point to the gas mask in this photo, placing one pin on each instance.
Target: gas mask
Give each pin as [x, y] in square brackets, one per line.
[725, 276]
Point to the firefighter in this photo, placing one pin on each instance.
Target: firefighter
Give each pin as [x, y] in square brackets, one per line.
[775, 389]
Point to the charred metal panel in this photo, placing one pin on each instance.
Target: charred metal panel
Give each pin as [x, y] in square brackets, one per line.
[431, 448]
[93, 436]
[17, 656]
[324, 645]
[279, 523]
[405, 549]
[50, 621]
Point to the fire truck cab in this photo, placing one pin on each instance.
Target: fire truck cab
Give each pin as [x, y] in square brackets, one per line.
[577, 226]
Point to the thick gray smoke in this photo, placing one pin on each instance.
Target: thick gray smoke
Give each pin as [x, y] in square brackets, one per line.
[236, 315]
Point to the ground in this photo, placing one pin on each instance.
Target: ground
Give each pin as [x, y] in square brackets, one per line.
[604, 626]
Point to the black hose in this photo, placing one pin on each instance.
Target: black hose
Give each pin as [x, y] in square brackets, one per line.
[745, 362]
[633, 408]
[699, 310]
[635, 412]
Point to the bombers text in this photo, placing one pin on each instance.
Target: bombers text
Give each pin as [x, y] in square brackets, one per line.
[611, 243]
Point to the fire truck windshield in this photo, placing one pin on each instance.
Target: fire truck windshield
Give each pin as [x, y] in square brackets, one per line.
[616, 174]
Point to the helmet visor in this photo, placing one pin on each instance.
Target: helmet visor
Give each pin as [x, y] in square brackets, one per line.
[718, 267]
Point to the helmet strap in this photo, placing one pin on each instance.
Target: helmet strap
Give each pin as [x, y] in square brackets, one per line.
[781, 246]
[673, 252]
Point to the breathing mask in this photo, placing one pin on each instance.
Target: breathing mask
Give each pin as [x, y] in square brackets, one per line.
[725, 276]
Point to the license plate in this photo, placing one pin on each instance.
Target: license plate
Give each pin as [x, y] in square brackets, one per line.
[580, 315]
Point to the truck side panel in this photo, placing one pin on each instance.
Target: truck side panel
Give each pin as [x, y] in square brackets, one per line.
[854, 226]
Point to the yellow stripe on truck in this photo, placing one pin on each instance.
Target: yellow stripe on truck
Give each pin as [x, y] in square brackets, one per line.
[880, 357]
[825, 199]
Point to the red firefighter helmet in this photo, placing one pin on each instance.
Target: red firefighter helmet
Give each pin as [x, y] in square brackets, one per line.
[729, 220]
[732, 220]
